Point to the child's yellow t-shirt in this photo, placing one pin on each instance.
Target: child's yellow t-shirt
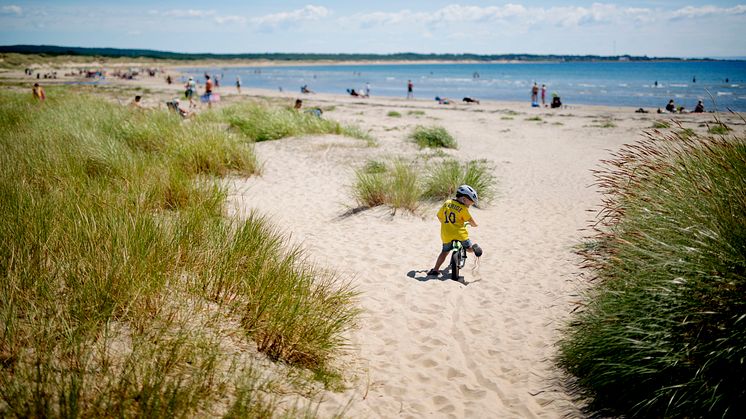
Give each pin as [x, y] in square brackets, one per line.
[452, 216]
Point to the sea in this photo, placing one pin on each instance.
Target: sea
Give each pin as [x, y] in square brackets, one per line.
[721, 85]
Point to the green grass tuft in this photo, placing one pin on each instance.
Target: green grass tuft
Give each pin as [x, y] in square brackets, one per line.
[263, 123]
[433, 137]
[444, 178]
[399, 184]
[718, 129]
[394, 114]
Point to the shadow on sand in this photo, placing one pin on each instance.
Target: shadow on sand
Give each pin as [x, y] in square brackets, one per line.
[445, 275]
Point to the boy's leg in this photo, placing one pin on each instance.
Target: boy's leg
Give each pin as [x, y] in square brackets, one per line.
[441, 258]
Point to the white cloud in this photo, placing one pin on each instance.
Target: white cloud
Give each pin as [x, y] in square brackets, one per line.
[230, 19]
[690, 12]
[11, 9]
[188, 13]
[518, 14]
[310, 12]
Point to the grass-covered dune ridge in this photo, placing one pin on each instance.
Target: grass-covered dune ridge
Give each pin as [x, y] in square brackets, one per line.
[664, 330]
[263, 123]
[126, 292]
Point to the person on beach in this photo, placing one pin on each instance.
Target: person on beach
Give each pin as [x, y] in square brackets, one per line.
[191, 87]
[304, 89]
[317, 112]
[543, 95]
[367, 89]
[556, 102]
[38, 92]
[535, 95]
[468, 99]
[136, 103]
[671, 107]
[699, 108]
[208, 91]
[453, 216]
[410, 89]
[175, 105]
[238, 84]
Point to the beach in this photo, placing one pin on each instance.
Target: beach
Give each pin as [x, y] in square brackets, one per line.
[432, 347]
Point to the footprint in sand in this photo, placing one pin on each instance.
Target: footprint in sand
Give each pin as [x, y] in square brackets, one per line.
[471, 393]
[454, 373]
[428, 363]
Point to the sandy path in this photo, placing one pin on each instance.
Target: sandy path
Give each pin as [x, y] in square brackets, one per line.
[434, 347]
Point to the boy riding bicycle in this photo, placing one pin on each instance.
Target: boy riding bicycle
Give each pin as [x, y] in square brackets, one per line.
[453, 215]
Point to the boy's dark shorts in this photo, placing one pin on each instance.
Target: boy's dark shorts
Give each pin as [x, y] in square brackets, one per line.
[447, 247]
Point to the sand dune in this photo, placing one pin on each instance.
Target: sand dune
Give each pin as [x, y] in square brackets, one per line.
[430, 347]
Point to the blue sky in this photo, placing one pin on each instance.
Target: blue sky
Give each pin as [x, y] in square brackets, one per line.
[656, 28]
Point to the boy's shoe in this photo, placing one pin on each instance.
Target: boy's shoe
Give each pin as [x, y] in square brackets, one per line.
[477, 250]
[433, 272]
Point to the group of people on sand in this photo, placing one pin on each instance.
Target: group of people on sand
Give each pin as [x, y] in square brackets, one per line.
[672, 108]
[364, 92]
[556, 101]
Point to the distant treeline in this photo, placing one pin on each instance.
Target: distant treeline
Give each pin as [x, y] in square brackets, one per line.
[403, 56]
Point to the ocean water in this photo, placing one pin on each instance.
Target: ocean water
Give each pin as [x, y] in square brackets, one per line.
[720, 84]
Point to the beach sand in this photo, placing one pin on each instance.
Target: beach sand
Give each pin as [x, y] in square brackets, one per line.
[432, 347]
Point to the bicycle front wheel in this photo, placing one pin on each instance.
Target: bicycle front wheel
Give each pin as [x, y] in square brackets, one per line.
[455, 265]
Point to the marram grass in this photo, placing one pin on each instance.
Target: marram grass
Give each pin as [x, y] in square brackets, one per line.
[264, 123]
[663, 333]
[125, 290]
[403, 185]
[433, 137]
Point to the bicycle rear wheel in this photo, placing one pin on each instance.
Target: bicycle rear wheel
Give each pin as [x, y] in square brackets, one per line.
[455, 264]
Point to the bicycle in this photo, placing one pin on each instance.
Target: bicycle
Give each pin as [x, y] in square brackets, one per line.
[458, 258]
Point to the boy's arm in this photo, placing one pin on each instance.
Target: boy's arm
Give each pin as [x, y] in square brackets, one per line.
[472, 222]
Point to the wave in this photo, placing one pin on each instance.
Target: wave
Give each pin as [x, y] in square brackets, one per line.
[724, 93]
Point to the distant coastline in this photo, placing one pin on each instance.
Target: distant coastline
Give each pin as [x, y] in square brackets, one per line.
[406, 57]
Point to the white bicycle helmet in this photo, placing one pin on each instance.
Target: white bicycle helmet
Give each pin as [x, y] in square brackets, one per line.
[469, 192]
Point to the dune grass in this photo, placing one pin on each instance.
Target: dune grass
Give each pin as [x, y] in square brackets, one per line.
[443, 178]
[395, 183]
[663, 333]
[718, 129]
[265, 123]
[394, 114]
[403, 185]
[125, 290]
[433, 137]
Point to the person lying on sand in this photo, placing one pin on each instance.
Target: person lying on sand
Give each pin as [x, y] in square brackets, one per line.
[453, 215]
[470, 100]
[175, 105]
[443, 100]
